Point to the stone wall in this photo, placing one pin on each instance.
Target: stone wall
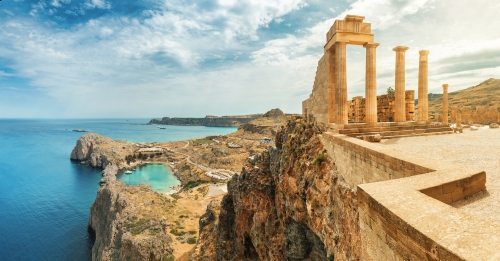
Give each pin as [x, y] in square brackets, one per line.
[385, 107]
[403, 203]
[317, 104]
[481, 114]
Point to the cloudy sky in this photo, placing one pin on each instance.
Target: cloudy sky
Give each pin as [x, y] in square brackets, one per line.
[190, 58]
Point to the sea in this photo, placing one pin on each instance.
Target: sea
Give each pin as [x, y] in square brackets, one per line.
[45, 198]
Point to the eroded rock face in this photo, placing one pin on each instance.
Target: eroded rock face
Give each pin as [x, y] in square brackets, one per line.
[122, 231]
[288, 203]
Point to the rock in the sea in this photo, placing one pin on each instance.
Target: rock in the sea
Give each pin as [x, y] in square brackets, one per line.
[124, 228]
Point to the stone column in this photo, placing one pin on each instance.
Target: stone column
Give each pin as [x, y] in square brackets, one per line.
[371, 83]
[399, 85]
[341, 106]
[445, 104]
[330, 56]
[423, 82]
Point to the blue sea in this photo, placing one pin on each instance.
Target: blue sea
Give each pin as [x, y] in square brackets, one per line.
[45, 198]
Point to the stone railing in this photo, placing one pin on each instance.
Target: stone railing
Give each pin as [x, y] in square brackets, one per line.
[403, 204]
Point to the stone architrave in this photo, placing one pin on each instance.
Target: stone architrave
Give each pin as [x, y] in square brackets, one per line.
[371, 83]
[445, 104]
[399, 85]
[341, 106]
[423, 82]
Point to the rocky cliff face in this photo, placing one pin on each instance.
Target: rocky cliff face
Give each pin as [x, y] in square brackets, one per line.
[288, 203]
[102, 152]
[127, 225]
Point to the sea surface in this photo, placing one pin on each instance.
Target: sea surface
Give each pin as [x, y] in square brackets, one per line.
[45, 198]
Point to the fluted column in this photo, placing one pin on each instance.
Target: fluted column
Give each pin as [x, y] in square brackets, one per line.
[341, 107]
[371, 83]
[399, 85]
[331, 84]
[423, 81]
[445, 104]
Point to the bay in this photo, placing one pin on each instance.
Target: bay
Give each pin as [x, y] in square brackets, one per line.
[44, 197]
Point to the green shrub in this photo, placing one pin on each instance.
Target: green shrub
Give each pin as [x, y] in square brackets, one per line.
[191, 240]
[192, 232]
[191, 184]
[318, 159]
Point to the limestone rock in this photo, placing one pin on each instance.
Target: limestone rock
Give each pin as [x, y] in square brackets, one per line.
[494, 126]
[372, 138]
[473, 128]
[288, 203]
[121, 232]
[274, 113]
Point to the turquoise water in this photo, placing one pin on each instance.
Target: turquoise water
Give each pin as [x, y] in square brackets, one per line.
[159, 176]
[44, 197]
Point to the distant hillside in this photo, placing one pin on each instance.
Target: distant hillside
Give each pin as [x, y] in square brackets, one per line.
[485, 94]
[209, 121]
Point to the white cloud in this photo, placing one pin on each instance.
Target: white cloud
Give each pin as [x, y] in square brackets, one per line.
[196, 54]
[101, 4]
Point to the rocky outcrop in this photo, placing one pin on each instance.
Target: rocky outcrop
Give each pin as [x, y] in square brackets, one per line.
[102, 152]
[288, 203]
[128, 229]
[209, 121]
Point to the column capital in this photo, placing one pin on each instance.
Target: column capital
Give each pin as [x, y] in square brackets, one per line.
[445, 85]
[400, 48]
[371, 45]
[423, 52]
[423, 55]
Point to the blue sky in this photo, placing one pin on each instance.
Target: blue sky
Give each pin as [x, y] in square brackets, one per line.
[152, 58]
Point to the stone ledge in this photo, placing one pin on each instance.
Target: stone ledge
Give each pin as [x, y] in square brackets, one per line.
[410, 216]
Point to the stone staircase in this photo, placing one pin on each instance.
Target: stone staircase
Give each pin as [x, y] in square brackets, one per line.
[391, 130]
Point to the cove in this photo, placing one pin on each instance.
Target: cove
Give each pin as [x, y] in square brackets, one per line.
[159, 176]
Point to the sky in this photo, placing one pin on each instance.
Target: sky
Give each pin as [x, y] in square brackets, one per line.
[191, 58]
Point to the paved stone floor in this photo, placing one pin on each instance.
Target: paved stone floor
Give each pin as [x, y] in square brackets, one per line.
[479, 149]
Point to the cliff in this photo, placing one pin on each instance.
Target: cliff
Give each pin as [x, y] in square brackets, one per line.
[102, 152]
[209, 121]
[288, 203]
[128, 225]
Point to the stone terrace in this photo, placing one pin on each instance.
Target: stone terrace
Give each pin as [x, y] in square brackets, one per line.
[476, 149]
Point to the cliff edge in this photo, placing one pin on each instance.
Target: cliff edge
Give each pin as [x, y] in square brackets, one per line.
[128, 226]
[102, 152]
[288, 203]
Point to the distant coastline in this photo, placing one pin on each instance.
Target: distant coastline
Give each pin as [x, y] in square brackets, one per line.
[209, 120]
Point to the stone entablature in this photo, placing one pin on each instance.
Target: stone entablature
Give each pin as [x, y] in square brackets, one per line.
[328, 103]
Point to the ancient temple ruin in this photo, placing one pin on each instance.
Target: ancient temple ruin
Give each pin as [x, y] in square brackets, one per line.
[327, 105]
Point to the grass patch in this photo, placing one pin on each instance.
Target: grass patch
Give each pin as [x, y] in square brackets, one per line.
[177, 232]
[203, 141]
[192, 232]
[175, 196]
[191, 240]
[139, 226]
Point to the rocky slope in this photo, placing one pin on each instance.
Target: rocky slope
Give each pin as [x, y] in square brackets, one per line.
[483, 94]
[288, 203]
[265, 126]
[128, 225]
